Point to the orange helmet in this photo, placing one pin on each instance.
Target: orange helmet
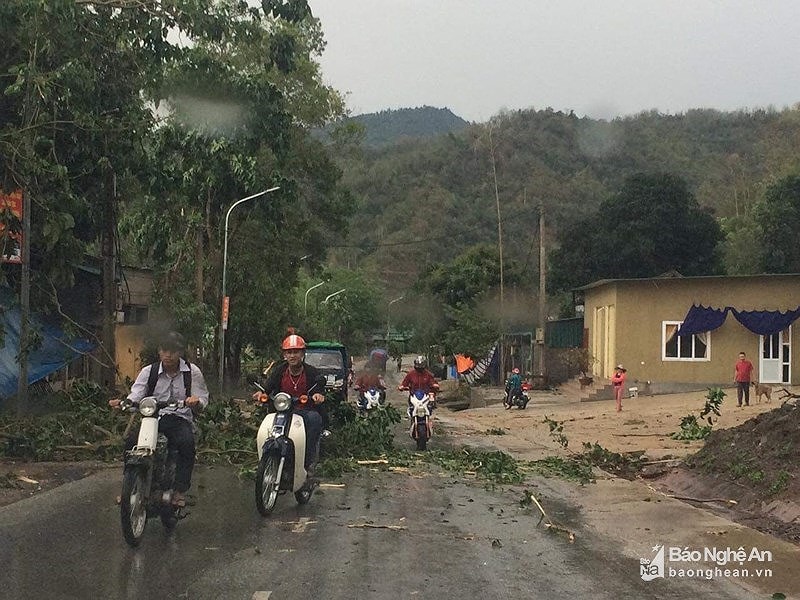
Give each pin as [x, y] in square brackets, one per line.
[293, 342]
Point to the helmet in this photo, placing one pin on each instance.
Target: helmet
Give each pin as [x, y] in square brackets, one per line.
[515, 371]
[419, 362]
[293, 342]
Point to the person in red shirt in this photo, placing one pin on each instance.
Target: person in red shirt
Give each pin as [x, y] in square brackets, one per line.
[742, 374]
[618, 383]
[419, 378]
[370, 379]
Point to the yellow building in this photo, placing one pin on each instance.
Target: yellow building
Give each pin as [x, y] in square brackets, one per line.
[635, 322]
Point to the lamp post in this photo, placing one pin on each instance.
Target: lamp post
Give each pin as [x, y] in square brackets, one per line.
[387, 317]
[305, 300]
[225, 303]
[332, 295]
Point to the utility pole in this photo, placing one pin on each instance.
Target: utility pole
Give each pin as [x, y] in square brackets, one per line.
[109, 262]
[25, 306]
[542, 293]
[500, 250]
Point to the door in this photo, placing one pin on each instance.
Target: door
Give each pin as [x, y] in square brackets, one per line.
[775, 359]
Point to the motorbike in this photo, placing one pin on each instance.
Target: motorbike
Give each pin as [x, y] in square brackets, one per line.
[518, 398]
[370, 399]
[421, 420]
[149, 474]
[281, 441]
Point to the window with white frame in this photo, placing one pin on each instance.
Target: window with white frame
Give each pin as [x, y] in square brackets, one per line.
[684, 347]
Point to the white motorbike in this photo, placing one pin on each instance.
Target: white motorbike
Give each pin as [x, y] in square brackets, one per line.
[149, 474]
[370, 399]
[421, 419]
[281, 442]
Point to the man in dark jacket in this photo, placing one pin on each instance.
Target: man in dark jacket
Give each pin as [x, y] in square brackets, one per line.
[294, 377]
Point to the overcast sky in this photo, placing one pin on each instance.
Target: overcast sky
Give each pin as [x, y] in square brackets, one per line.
[600, 58]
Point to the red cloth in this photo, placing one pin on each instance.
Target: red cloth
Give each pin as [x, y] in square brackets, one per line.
[415, 380]
[744, 371]
[368, 381]
[294, 386]
[618, 378]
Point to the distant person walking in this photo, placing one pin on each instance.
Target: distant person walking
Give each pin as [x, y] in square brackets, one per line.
[742, 374]
[618, 382]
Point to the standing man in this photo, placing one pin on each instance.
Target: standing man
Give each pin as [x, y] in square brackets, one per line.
[742, 374]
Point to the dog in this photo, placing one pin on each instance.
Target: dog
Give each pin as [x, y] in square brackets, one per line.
[762, 389]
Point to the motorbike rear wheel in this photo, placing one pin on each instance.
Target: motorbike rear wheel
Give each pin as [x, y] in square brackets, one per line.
[267, 483]
[133, 505]
[422, 436]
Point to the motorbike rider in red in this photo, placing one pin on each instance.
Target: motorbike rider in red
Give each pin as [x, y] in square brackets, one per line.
[420, 378]
[294, 377]
[370, 379]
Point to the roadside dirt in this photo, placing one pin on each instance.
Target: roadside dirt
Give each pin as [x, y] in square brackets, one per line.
[20, 480]
[746, 471]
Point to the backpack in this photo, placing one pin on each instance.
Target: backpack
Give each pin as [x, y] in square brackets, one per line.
[153, 377]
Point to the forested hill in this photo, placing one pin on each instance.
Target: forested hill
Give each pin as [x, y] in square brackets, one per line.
[389, 126]
[426, 200]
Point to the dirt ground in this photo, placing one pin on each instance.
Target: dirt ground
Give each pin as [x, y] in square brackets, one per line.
[747, 470]
[20, 479]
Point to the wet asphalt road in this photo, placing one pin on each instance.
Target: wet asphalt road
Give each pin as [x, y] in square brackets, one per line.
[67, 544]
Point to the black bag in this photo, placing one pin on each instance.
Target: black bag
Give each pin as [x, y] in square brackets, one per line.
[153, 377]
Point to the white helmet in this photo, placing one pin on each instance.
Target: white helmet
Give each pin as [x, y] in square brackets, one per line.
[419, 362]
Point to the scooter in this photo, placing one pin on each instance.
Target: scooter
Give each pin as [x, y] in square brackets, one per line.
[518, 398]
[370, 399]
[421, 419]
[281, 442]
[149, 474]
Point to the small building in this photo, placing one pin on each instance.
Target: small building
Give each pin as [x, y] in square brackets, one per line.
[643, 324]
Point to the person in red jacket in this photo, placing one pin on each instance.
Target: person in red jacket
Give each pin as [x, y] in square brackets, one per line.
[419, 378]
[742, 374]
[618, 382]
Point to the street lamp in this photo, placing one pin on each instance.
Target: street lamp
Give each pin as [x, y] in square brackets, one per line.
[387, 316]
[332, 295]
[305, 300]
[225, 300]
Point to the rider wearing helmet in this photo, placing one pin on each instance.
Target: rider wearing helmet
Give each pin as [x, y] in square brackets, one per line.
[294, 377]
[513, 387]
[420, 379]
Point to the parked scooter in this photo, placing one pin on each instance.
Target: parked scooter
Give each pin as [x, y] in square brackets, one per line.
[281, 441]
[421, 419]
[149, 474]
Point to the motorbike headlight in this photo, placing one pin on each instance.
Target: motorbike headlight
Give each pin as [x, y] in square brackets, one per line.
[282, 401]
[147, 406]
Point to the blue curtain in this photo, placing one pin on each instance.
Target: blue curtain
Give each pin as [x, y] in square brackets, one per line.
[700, 319]
[766, 322]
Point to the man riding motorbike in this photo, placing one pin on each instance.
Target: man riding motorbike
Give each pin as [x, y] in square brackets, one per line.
[370, 379]
[513, 388]
[296, 378]
[174, 378]
[420, 378]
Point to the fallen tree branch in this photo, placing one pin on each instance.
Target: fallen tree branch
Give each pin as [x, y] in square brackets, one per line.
[549, 523]
[692, 499]
[229, 451]
[379, 461]
[374, 526]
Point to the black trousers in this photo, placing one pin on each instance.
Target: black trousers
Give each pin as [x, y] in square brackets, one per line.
[743, 389]
[180, 436]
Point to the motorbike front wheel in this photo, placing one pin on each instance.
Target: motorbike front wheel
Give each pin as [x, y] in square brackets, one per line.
[267, 483]
[422, 435]
[133, 505]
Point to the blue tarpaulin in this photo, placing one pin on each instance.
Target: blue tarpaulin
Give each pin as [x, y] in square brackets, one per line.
[55, 350]
[762, 322]
[700, 319]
